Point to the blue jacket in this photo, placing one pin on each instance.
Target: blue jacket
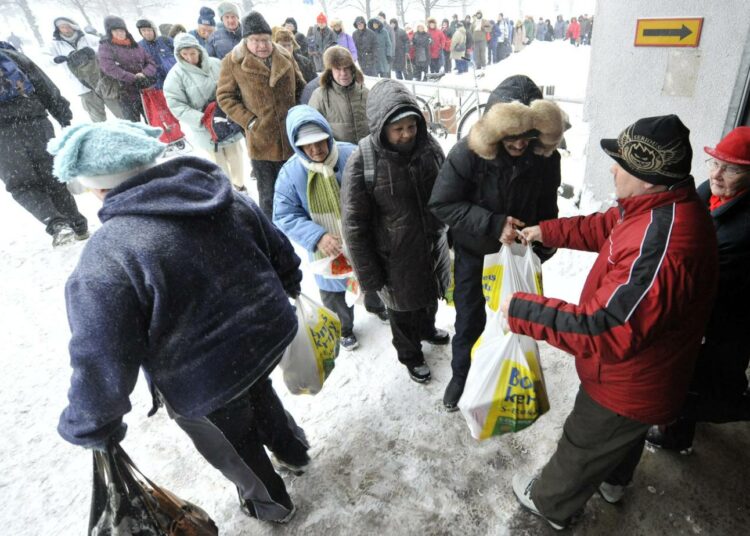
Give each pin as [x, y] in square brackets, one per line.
[161, 51]
[222, 41]
[184, 279]
[202, 42]
[291, 212]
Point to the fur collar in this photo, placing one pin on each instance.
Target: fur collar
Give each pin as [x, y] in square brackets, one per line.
[514, 118]
[281, 62]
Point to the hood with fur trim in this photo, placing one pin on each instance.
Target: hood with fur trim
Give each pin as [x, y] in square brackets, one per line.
[541, 117]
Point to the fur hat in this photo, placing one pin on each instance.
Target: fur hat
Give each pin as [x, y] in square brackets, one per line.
[336, 22]
[282, 35]
[292, 21]
[103, 155]
[65, 20]
[112, 22]
[227, 7]
[432, 20]
[542, 119]
[145, 23]
[339, 57]
[206, 17]
[254, 23]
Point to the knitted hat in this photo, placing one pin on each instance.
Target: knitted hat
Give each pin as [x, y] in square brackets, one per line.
[733, 148]
[104, 155]
[227, 7]
[401, 114]
[655, 149]
[322, 19]
[206, 17]
[254, 24]
[291, 20]
[310, 133]
[185, 40]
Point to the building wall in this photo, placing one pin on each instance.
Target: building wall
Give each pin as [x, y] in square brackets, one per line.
[701, 85]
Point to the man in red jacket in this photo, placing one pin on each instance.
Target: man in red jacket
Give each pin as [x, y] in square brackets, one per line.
[637, 330]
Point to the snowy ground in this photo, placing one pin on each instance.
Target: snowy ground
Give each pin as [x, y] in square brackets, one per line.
[386, 457]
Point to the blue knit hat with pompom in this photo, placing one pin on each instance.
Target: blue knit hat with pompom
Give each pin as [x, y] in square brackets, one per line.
[104, 155]
[206, 16]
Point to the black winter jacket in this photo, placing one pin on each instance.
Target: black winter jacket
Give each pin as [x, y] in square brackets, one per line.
[400, 50]
[46, 97]
[474, 196]
[396, 245]
[732, 221]
[366, 42]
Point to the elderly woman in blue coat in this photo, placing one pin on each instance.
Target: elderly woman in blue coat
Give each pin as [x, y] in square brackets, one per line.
[307, 205]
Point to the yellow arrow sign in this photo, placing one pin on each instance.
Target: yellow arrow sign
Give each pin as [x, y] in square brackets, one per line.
[668, 32]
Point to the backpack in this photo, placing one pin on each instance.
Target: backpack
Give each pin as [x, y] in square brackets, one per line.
[219, 126]
[369, 162]
[13, 81]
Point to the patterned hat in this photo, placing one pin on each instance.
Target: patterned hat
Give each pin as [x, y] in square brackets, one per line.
[655, 149]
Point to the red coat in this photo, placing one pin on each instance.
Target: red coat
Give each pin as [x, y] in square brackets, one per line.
[574, 30]
[638, 328]
[438, 42]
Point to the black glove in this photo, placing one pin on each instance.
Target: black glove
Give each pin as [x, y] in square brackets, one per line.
[142, 82]
[60, 59]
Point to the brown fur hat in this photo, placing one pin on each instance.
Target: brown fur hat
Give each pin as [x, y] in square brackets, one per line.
[282, 35]
[339, 57]
[513, 119]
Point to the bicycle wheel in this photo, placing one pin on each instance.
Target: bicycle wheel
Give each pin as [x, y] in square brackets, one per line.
[468, 120]
[426, 109]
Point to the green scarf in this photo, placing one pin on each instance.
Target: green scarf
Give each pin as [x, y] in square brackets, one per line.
[323, 194]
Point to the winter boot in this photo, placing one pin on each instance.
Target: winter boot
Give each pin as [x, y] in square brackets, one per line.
[453, 393]
[419, 371]
[438, 337]
[677, 436]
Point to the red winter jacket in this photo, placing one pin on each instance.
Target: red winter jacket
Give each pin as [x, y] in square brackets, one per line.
[438, 41]
[644, 307]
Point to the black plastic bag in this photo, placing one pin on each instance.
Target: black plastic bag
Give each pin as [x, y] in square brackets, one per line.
[122, 505]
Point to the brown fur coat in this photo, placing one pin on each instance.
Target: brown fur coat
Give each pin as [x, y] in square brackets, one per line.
[248, 91]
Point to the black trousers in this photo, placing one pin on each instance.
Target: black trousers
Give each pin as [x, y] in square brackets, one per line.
[373, 303]
[266, 173]
[597, 445]
[26, 170]
[447, 61]
[409, 329]
[717, 391]
[470, 313]
[435, 64]
[336, 302]
[232, 439]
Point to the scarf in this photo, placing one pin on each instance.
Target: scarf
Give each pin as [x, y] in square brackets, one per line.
[715, 201]
[122, 42]
[323, 194]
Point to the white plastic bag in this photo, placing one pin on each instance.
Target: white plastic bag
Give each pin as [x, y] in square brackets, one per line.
[505, 389]
[515, 268]
[337, 267]
[309, 359]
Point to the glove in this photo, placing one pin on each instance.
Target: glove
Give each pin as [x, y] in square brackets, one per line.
[142, 82]
[60, 59]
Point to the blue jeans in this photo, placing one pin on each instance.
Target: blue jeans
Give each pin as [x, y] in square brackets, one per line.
[462, 66]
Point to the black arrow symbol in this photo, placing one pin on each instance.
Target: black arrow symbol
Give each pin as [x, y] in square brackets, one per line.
[664, 32]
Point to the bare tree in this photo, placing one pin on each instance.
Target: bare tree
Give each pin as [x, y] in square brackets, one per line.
[83, 6]
[402, 6]
[429, 5]
[250, 5]
[28, 15]
[363, 6]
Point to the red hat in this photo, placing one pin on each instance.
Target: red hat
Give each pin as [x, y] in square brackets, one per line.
[322, 19]
[734, 148]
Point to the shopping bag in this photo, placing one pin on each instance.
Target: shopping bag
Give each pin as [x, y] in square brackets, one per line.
[309, 359]
[515, 268]
[159, 115]
[449, 292]
[123, 505]
[354, 295]
[505, 389]
[332, 267]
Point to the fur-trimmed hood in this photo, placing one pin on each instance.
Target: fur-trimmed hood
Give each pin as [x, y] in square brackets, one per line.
[541, 117]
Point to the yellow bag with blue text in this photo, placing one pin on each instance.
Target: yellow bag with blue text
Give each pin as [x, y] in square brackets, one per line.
[309, 359]
[505, 389]
[515, 268]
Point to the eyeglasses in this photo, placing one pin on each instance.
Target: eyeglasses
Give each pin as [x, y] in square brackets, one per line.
[259, 42]
[728, 169]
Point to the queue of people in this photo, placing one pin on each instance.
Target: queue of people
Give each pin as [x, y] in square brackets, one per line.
[357, 173]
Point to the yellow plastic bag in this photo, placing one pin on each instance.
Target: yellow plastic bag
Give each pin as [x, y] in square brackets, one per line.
[515, 268]
[505, 389]
[309, 359]
[452, 285]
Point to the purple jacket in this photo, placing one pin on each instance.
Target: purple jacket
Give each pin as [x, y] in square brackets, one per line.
[123, 63]
[345, 40]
